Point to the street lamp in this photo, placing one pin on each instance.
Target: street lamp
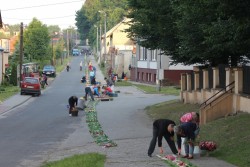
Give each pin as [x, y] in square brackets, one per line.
[97, 49]
[105, 29]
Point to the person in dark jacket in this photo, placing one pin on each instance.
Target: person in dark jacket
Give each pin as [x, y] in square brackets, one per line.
[72, 104]
[187, 131]
[162, 128]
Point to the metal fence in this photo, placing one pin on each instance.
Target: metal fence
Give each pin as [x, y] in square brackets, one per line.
[210, 77]
[246, 80]
[200, 79]
[222, 75]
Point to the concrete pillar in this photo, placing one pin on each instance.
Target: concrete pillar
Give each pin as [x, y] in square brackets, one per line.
[183, 88]
[205, 78]
[183, 82]
[215, 77]
[188, 82]
[229, 76]
[196, 80]
[238, 75]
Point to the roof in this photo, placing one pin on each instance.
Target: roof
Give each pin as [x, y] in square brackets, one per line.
[110, 32]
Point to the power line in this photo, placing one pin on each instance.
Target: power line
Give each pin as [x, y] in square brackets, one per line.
[41, 18]
[37, 6]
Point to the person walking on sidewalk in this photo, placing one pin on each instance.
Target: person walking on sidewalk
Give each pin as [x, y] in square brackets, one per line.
[162, 128]
[81, 66]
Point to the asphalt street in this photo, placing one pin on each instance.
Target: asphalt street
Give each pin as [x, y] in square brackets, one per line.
[32, 129]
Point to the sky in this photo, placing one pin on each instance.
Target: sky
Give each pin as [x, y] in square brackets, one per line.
[49, 12]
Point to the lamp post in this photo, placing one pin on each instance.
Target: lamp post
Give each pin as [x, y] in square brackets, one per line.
[105, 29]
[100, 38]
[97, 49]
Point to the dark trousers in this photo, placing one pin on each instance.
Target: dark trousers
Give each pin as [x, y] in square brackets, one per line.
[88, 92]
[71, 108]
[154, 141]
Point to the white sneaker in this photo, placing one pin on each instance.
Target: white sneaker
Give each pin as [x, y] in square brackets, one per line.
[70, 115]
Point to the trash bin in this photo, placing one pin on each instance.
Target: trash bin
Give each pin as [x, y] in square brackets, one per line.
[81, 103]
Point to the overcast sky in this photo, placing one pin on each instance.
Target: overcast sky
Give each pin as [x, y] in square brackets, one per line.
[50, 12]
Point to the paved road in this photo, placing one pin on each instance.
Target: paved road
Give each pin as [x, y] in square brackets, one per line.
[31, 130]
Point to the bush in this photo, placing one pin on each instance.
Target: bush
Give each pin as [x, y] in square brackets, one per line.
[5, 82]
[13, 76]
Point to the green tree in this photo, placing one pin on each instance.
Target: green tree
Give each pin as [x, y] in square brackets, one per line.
[36, 40]
[153, 24]
[14, 28]
[206, 32]
[53, 30]
[89, 15]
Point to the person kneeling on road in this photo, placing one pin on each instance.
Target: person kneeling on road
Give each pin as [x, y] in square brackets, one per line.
[72, 104]
[107, 90]
[162, 128]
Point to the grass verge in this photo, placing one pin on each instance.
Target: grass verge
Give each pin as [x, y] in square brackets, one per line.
[83, 160]
[7, 91]
[232, 134]
[151, 89]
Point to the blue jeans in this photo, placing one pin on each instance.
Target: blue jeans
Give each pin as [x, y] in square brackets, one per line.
[189, 148]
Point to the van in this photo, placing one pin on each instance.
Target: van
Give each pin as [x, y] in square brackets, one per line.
[75, 52]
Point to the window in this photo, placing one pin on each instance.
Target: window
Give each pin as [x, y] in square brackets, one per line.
[153, 55]
[141, 53]
[142, 76]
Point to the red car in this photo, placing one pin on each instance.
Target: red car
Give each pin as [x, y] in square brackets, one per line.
[31, 85]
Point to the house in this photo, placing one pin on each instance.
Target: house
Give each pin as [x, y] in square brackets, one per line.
[4, 51]
[153, 67]
[119, 48]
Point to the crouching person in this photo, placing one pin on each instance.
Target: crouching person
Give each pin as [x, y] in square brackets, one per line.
[107, 90]
[72, 104]
[187, 131]
[162, 128]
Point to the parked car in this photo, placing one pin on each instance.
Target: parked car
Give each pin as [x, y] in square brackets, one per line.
[49, 70]
[31, 85]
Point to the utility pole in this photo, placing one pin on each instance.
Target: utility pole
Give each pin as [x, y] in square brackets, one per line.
[67, 43]
[100, 42]
[105, 29]
[21, 52]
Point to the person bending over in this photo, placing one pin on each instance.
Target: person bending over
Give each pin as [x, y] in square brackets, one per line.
[72, 104]
[187, 131]
[162, 128]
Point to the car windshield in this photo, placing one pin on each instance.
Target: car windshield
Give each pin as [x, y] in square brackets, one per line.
[31, 80]
[48, 68]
